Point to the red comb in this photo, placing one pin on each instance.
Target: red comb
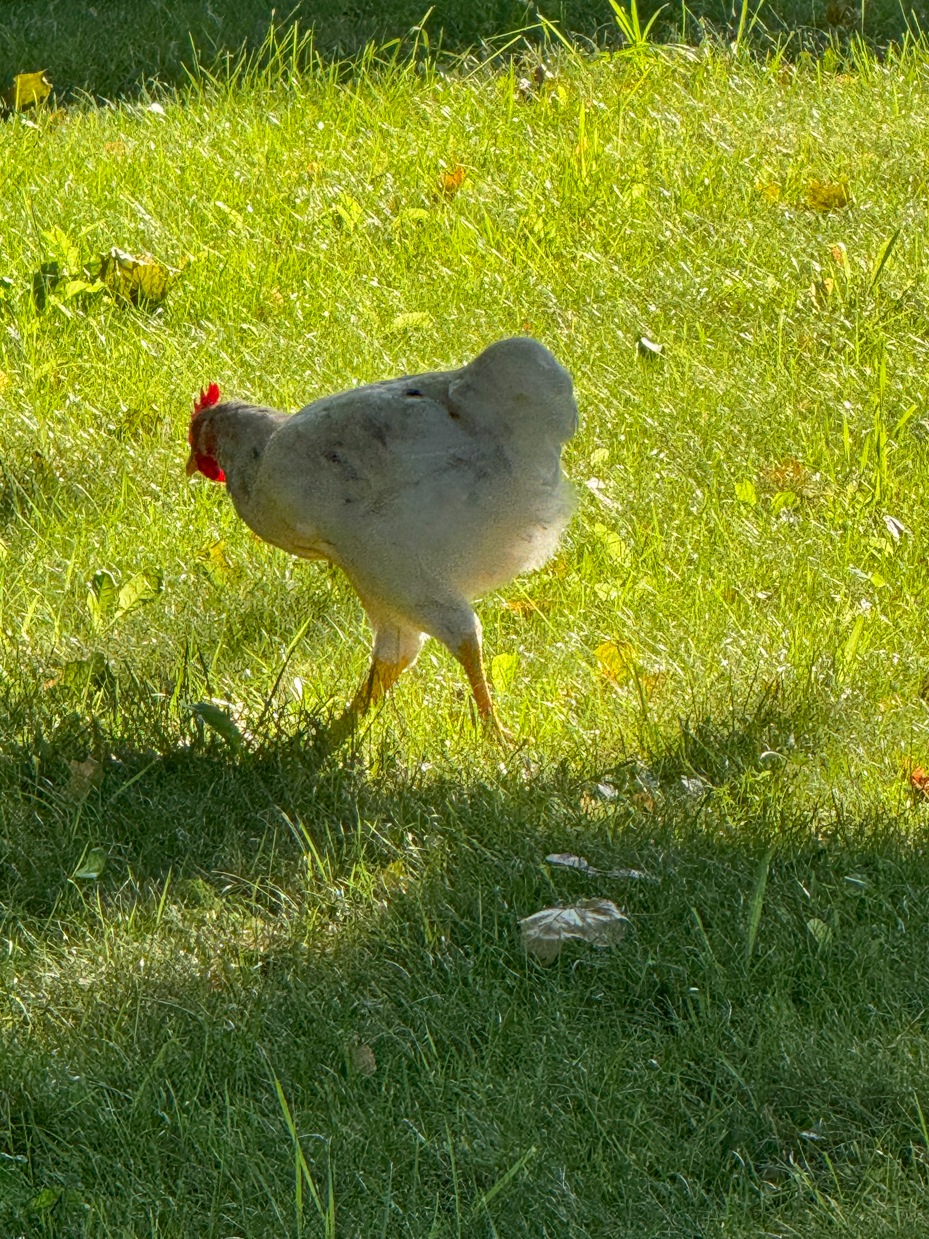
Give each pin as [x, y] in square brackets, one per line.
[207, 398]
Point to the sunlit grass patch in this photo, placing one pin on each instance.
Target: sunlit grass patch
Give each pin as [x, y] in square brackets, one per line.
[721, 677]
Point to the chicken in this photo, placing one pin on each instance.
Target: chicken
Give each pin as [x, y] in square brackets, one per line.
[427, 491]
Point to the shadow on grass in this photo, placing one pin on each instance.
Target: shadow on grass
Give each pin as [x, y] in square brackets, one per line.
[353, 933]
[116, 47]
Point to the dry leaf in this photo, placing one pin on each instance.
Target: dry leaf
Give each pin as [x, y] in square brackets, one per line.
[894, 527]
[524, 606]
[827, 196]
[115, 148]
[28, 90]
[84, 774]
[565, 860]
[821, 291]
[791, 476]
[918, 781]
[451, 182]
[5, 381]
[596, 488]
[140, 280]
[820, 931]
[362, 1058]
[598, 921]
[839, 254]
[616, 660]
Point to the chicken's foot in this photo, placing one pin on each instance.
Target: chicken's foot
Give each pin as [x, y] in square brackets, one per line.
[380, 679]
[469, 655]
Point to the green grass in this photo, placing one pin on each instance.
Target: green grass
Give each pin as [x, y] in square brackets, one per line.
[112, 47]
[752, 1058]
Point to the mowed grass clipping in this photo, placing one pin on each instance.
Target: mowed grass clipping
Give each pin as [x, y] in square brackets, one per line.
[280, 972]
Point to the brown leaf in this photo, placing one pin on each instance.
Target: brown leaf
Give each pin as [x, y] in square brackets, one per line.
[451, 182]
[827, 195]
[362, 1058]
[598, 921]
[839, 254]
[84, 774]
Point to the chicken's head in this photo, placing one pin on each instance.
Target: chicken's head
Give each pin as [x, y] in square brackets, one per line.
[202, 438]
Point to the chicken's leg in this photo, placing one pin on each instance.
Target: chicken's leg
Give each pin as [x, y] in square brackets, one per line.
[395, 648]
[458, 628]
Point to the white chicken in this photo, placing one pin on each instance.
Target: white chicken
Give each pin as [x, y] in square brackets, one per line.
[427, 491]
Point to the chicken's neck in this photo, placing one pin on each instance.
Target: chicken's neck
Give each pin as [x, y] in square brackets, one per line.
[242, 437]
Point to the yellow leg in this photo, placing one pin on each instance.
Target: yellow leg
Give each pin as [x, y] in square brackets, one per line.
[469, 655]
[380, 679]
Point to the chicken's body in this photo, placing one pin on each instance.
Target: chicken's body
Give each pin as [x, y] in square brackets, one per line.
[427, 491]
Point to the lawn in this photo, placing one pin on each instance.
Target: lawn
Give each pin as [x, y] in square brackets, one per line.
[288, 995]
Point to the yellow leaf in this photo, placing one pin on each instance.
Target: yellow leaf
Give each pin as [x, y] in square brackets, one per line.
[28, 90]
[414, 318]
[827, 196]
[138, 280]
[4, 380]
[616, 661]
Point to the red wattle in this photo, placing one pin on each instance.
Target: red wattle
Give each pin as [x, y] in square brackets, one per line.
[209, 467]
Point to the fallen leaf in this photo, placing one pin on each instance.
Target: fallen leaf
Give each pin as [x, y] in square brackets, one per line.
[362, 1058]
[598, 921]
[565, 860]
[413, 318]
[791, 476]
[918, 780]
[46, 1199]
[141, 280]
[115, 148]
[597, 487]
[84, 774]
[894, 527]
[524, 606]
[820, 931]
[644, 801]
[92, 865]
[28, 91]
[616, 660]
[451, 182]
[648, 348]
[745, 493]
[821, 291]
[5, 381]
[839, 255]
[827, 196]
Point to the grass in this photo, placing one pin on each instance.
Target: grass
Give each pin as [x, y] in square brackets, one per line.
[112, 47]
[719, 681]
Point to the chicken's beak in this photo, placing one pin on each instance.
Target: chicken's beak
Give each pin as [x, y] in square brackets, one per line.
[191, 467]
